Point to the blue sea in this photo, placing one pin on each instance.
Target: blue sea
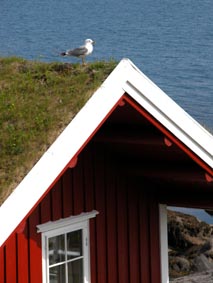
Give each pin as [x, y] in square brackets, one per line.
[171, 41]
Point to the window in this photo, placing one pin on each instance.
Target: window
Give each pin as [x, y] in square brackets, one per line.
[66, 254]
[65, 249]
[186, 244]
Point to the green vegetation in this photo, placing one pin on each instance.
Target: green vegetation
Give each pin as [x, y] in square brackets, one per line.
[37, 101]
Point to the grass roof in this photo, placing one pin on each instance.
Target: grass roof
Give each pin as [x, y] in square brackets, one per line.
[37, 101]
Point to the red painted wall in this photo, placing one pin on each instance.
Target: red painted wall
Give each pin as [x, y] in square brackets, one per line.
[124, 235]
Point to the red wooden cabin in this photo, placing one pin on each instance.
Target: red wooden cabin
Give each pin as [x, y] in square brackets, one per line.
[93, 209]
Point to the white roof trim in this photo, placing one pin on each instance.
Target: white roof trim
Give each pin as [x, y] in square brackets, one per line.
[171, 115]
[126, 77]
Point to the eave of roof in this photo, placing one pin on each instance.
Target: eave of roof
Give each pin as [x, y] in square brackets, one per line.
[125, 79]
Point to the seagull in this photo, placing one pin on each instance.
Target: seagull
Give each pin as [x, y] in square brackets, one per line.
[81, 51]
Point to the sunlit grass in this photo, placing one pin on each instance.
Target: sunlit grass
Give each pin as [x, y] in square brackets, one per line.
[37, 100]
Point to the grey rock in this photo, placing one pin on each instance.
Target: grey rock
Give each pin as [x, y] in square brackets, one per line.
[200, 277]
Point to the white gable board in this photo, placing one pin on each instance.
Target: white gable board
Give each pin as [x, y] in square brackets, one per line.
[125, 78]
[171, 115]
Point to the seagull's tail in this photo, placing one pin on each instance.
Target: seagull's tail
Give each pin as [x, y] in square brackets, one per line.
[63, 54]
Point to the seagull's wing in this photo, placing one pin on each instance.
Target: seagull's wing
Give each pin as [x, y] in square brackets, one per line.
[80, 51]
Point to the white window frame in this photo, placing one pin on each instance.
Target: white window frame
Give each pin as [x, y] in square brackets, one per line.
[63, 226]
[164, 244]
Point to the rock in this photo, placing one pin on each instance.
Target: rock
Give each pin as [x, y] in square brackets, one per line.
[202, 277]
[190, 245]
[202, 263]
[179, 265]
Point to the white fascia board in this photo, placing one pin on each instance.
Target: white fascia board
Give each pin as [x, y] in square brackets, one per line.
[170, 115]
[56, 158]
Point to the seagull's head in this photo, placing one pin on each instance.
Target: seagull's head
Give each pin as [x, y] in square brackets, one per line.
[89, 41]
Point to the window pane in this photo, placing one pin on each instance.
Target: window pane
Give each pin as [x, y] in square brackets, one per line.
[75, 271]
[57, 274]
[56, 249]
[74, 244]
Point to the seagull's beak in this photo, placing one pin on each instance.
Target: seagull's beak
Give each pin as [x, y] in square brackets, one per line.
[93, 42]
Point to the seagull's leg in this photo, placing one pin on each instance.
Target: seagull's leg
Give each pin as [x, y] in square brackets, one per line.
[83, 61]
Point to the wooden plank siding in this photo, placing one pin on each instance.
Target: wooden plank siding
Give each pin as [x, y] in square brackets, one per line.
[2, 264]
[23, 256]
[121, 235]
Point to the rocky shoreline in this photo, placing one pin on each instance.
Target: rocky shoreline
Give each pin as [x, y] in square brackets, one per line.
[200, 277]
[190, 249]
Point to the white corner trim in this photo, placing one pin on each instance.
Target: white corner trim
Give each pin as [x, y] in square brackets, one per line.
[52, 225]
[164, 244]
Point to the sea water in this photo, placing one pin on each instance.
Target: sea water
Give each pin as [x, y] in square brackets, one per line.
[171, 41]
